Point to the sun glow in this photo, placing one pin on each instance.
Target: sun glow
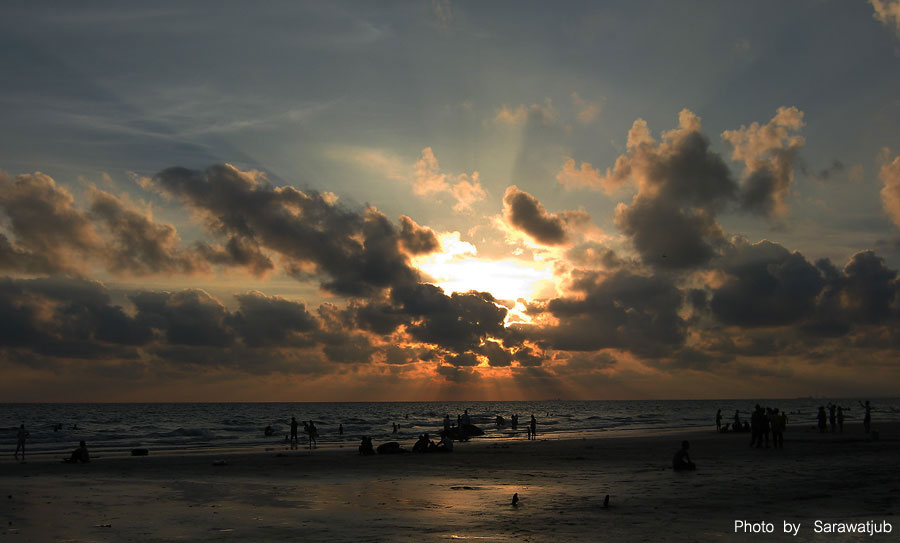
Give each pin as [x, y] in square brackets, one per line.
[458, 269]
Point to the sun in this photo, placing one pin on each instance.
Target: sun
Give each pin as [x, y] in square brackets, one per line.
[458, 269]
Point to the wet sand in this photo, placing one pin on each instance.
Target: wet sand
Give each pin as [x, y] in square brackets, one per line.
[337, 495]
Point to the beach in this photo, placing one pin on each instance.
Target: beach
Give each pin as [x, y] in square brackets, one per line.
[337, 495]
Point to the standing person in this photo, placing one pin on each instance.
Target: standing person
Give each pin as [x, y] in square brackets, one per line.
[832, 416]
[840, 418]
[533, 427]
[822, 416]
[313, 434]
[21, 436]
[294, 437]
[465, 420]
[341, 429]
[779, 424]
[737, 421]
[719, 420]
[446, 423]
[867, 419]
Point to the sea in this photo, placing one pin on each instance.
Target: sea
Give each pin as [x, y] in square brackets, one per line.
[117, 428]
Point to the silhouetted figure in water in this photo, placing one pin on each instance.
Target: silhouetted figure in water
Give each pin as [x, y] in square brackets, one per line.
[533, 427]
[515, 422]
[312, 433]
[822, 419]
[294, 437]
[832, 417]
[867, 418]
[682, 459]
[79, 455]
[268, 432]
[779, 425]
[840, 418]
[21, 436]
[365, 448]
[719, 420]
[341, 429]
[515, 500]
[394, 427]
[606, 502]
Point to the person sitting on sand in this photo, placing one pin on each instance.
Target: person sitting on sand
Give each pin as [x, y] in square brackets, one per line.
[682, 460]
[79, 455]
[424, 444]
[365, 448]
[446, 444]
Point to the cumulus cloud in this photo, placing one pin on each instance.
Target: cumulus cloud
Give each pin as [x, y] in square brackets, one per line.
[769, 153]
[622, 310]
[681, 185]
[356, 253]
[525, 213]
[888, 12]
[139, 245]
[429, 180]
[572, 176]
[51, 235]
[890, 192]
[536, 114]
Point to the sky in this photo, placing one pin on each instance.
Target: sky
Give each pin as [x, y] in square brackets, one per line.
[441, 200]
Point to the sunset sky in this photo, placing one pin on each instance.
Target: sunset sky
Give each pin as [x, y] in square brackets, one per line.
[438, 200]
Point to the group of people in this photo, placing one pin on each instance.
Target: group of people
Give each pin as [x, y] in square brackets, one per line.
[79, 455]
[309, 428]
[769, 420]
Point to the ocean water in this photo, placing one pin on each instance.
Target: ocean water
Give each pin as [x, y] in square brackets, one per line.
[116, 428]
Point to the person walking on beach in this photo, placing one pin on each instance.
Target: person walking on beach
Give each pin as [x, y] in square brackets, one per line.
[719, 420]
[21, 436]
[867, 418]
[294, 437]
[533, 427]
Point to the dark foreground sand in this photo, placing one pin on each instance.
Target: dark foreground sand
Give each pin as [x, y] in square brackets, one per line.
[336, 495]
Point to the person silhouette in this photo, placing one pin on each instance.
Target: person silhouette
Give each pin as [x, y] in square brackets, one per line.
[867, 418]
[832, 416]
[21, 436]
[79, 455]
[719, 420]
[294, 437]
[533, 427]
[822, 419]
[682, 459]
[840, 418]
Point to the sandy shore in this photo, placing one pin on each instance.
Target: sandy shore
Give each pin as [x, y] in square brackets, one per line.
[336, 495]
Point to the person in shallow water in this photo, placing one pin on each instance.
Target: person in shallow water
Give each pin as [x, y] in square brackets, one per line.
[682, 459]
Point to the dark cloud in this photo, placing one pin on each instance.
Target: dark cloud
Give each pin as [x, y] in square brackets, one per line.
[459, 322]
[66, 318]
[525, 213]
[417, 239]
[272, 320]
[138, 245]
[769, 153]
[50, 234]
[766, 285]
[359, 254]
[188, 317]
[682, 184]
[622, 310]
